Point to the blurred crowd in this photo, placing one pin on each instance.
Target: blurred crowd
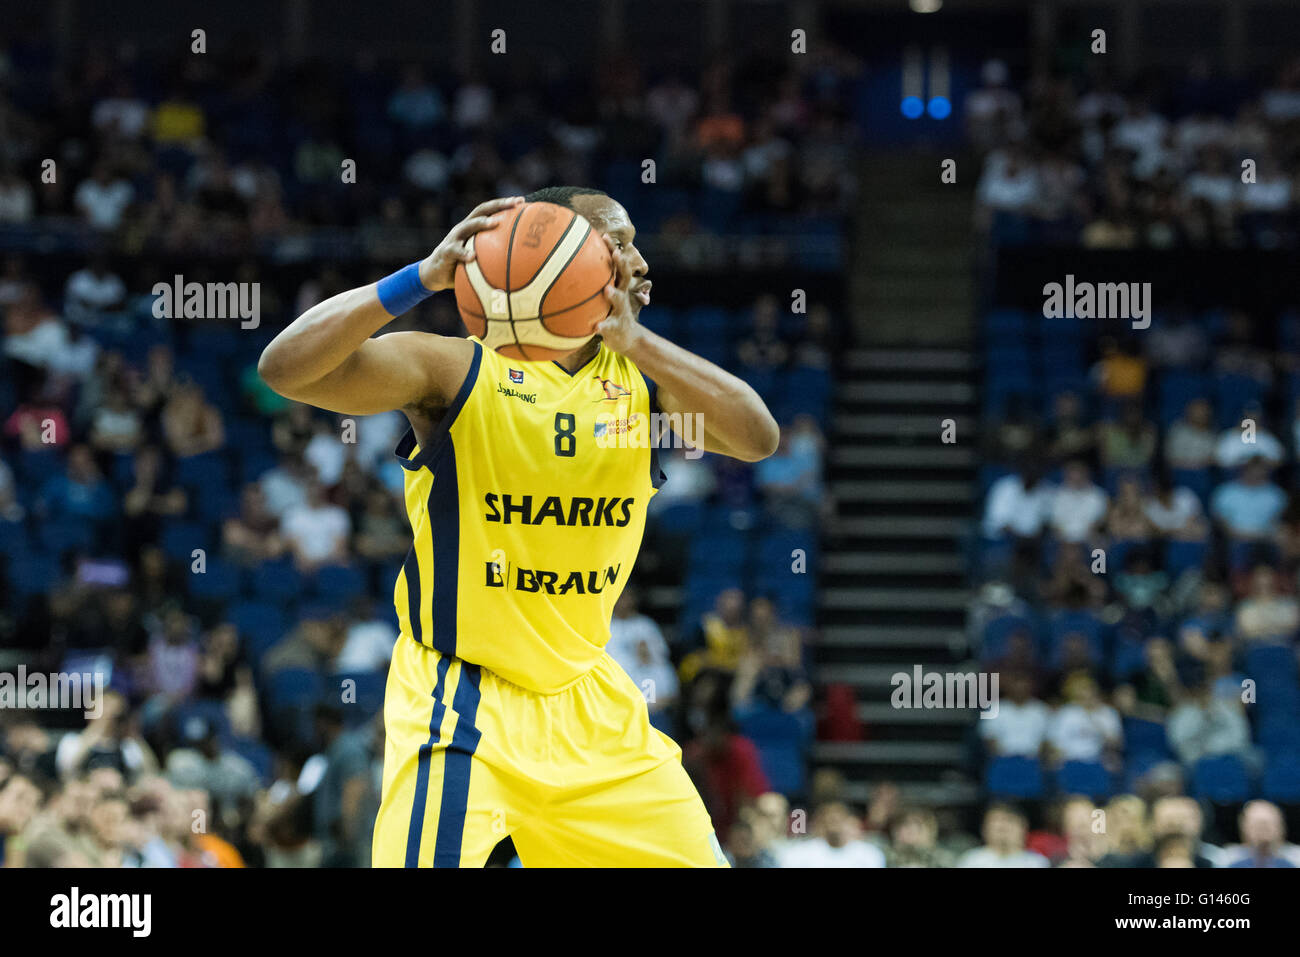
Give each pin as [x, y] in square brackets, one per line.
[1080, 160]
[229, 151]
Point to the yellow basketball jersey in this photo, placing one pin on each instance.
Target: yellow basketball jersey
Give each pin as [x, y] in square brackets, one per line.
[528, 505]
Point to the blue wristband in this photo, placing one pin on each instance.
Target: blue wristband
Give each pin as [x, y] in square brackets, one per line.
[402, 290]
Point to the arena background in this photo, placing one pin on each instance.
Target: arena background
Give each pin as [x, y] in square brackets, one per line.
[855, 206]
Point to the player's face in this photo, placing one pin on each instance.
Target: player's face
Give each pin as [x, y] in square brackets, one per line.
[611, 219]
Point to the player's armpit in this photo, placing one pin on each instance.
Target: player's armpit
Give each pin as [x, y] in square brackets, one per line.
[393, 371]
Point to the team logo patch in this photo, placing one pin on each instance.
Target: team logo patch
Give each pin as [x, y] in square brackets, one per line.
[516, 376]
[613, 391]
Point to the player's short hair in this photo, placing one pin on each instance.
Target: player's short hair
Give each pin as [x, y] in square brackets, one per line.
[562, 195]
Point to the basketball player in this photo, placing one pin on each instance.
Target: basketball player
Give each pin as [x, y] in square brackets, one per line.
[504, 716]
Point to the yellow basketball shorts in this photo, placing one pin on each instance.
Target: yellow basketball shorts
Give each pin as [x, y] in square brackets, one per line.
[575, 779]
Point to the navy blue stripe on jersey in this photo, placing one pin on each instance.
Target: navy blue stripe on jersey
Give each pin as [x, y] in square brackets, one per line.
[444, 530]
[422, 770]
[456, 769]
[657, 476]
[442, 431]
[411, 568]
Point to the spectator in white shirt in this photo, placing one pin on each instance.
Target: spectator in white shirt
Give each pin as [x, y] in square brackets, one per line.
[368, 645]
[17, 201]
[836, 841]
[1140, 131]
[1086, 728]
[1078, 505]
[1018, 505]
[317, 532]
[123, 114]
[1190, 442]
[103, 199]
[1206, 725]
[92, 290]
[1174, 511]
[1248, 439]
[1020, 726]
[1004, 841]
[637, 643]
[1009, 184]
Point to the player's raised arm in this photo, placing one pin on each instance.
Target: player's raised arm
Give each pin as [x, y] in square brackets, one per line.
[736, 421]
[327, 358]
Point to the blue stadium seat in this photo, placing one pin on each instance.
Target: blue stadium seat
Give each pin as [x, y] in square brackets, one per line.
[776, 550]
[1127, 658]
[1200, 481]
[260, 624]
[1271, 664]
[1279, 733]
[1085, 777]
[213, 712]
[782, 740]
[179, 539]
[218, 582]
[14, 539]
[65, 535]
[1138, 763]
[724, 549]
[1014, 777]
[339, 584]
[216, 501]
[1063, 623]
[369, 691]
[1176, 388]
[35, 575]
[277, 580]
[1180, 556]
[806, 391]
[295, 688]
[997, 632]
[253, 462]
[1232, 392]
[1281, 779]
[258, 755]
[1142, 736]
[681, 518]
[1221, 779]
[203, 469]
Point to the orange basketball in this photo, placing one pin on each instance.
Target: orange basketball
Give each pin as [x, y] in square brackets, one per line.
[536, 288]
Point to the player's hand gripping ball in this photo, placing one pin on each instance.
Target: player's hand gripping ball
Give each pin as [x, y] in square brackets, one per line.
[534, 288]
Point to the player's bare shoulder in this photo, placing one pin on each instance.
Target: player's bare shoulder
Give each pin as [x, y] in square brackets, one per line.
[445, 360]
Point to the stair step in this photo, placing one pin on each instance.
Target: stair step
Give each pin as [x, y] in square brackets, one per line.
[861, 455]
[893, 491]
[868, 360]
[890, 599]
[896, 563]
[891, 393]
[901, 424]
[884, 713]
[879, 636]
[943, 753]
[902, 526]
[873, 680]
